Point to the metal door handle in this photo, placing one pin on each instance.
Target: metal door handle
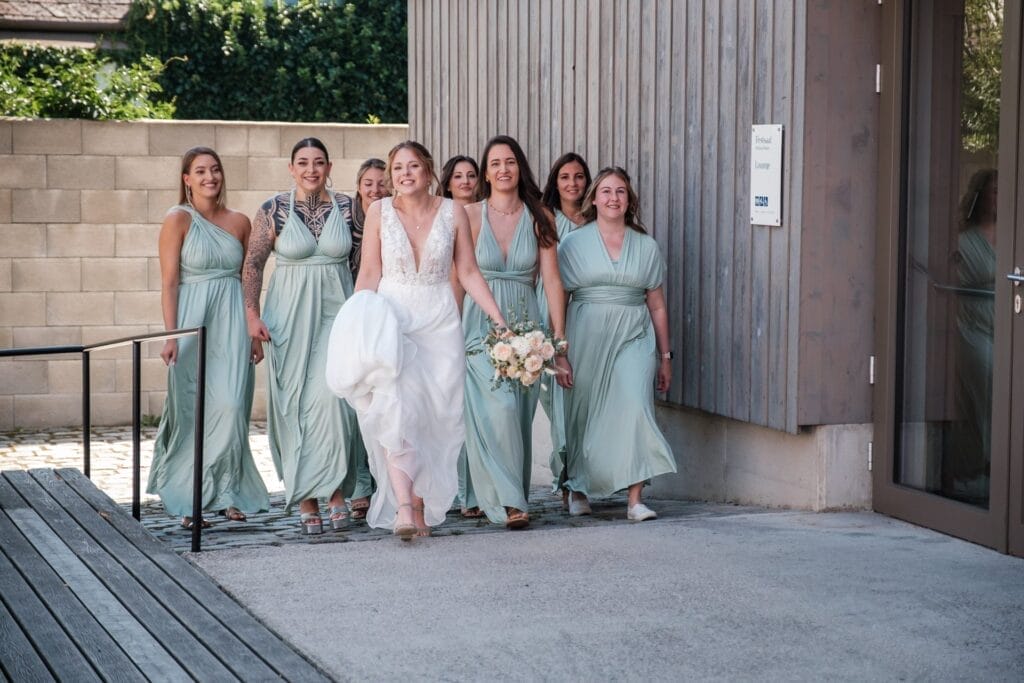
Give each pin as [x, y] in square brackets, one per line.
[1016, 277]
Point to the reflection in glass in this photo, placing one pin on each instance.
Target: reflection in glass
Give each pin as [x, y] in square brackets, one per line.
[945, 376]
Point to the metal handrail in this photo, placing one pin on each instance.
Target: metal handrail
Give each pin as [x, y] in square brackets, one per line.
[136, 342]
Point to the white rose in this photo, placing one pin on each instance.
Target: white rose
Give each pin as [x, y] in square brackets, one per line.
[528, 378]
[521, 345]
[547, 350]
[533, 363]
[512, 373]
[501, 352]
[536, 339]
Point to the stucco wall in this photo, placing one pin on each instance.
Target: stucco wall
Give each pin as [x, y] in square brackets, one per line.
[80, 208]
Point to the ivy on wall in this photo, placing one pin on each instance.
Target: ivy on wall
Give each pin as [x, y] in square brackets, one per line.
[59, 82]
[268, 60]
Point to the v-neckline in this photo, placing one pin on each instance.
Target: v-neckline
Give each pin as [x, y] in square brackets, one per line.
[604, 247]
[307, 231]
[430, 232]
[511, 242]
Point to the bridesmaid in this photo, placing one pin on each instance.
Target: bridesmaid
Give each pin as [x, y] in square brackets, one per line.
[459, 182]
[618, 346]
[202, 244]
[514, 237]
[370, 186]
[568, 181]
[313, 435]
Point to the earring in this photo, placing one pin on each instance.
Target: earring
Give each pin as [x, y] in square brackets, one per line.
[188, 195]
[330, 183]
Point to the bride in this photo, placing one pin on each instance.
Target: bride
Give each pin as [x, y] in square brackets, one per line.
[409, 401]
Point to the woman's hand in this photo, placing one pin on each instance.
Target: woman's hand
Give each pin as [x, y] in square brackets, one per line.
[256, 352]
[664, 375]
[258, 329]
[564, 376]
[170, 352]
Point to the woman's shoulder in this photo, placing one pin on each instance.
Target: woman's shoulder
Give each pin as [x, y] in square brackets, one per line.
[577, 236]
[274, 201]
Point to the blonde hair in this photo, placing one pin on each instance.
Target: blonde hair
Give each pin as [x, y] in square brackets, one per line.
[184, 196]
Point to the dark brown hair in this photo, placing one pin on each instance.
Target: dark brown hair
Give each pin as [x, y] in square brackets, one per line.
[448, 170]
[186, 168]
[632, 207]
[551, 198]
[974, 205]
[310, 142]
[529, 193]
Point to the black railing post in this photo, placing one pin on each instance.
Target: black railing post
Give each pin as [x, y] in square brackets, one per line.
[197, 467]
[86, 418]
[136, 427]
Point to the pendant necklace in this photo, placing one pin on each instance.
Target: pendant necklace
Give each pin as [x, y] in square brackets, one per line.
[503, 213]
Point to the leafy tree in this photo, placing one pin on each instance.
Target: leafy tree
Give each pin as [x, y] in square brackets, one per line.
[54, 82]
[311, 60]
[982, 71]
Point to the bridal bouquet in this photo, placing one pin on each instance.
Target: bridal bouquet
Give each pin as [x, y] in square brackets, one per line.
[521, 353]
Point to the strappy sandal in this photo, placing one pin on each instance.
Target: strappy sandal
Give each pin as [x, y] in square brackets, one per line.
[472, 513]
[234, 514]
[517, 519]
[186, 523]
[405, 531]
[359, 508]
[339, 517]
[311, 522]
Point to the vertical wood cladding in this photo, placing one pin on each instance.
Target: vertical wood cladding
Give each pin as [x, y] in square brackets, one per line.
[667, 89]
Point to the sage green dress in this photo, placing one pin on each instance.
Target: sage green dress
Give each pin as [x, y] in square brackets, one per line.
[553, 400]
[499, 422]
[210, 294]
[314, 436]
[612, 439]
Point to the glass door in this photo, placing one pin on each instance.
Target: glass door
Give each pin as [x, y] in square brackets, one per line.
[944, 426]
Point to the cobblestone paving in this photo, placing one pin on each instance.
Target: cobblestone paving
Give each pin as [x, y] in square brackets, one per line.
[111, 449]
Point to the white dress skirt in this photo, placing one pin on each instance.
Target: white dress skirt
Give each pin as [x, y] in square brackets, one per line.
[398, 358]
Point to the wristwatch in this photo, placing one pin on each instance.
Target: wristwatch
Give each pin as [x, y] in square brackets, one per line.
[667, 355]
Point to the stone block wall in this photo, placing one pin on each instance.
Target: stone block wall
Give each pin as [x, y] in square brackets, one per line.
[80, 209]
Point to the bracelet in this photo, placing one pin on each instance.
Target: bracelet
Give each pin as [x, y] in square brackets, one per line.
[561, 347]
[667, 355]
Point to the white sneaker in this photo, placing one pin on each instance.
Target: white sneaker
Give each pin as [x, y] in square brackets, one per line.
[578, 507]
[640, 513]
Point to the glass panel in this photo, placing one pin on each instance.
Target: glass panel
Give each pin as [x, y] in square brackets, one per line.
[946, 315]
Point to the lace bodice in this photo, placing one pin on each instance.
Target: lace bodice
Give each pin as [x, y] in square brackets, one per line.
[398, 262]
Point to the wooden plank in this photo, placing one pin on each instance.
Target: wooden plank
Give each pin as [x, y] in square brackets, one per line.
[795, 162]
[677, 203]
[693, 353]
[18, 659]
[185, 646]
[471, 124]
[643, 151]
[707, 219]
[94, 642]
[138, 643]
[215, 635]
[63, 657]
[740, 340]
[261, 639]
[725, 195]
[592, 93]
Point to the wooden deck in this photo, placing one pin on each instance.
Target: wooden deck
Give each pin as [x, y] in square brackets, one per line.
[87, 594]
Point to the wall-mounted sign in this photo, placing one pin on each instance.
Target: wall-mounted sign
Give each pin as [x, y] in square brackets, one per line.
[766, 174]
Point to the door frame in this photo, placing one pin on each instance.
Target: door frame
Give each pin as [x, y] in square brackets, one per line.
[987, 527]
[1012, 204]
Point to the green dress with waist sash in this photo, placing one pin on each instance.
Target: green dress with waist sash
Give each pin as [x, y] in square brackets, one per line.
[209, 294]
[314, 436]
[499, 422]
[612, 439]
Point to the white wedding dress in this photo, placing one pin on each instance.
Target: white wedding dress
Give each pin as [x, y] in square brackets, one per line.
[398, 357]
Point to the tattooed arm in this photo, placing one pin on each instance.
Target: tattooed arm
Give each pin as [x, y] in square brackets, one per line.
[261, 243]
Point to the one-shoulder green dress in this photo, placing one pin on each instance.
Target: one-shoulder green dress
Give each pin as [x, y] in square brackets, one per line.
[612, 439]
[553, 400]
[499, 422]
[210, 294]
[314, 436]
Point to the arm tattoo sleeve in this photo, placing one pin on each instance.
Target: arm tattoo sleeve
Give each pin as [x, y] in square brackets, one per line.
[261, 243]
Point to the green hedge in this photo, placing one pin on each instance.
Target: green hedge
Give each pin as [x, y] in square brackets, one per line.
[270, 61]
[74, 83]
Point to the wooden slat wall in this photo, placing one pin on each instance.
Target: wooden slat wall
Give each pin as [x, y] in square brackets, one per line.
[668, 89]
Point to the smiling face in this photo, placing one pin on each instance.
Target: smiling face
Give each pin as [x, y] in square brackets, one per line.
[372, 186]
[205, 178]
[310, 170]
[409, 174]
[611, 198]
[463, 182]
[502, 168]
[572, 182]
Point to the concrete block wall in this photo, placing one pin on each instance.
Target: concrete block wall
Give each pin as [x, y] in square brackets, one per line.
[80, 209]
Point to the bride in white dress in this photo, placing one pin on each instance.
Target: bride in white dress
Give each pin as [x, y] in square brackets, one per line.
[410, 405]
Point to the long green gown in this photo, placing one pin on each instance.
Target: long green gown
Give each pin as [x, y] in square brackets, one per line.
[499, 422]
[553, 400]
[314, 436]
[210, 294]
[612, 439]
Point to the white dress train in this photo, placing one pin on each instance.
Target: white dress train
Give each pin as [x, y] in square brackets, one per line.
[398, 358]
